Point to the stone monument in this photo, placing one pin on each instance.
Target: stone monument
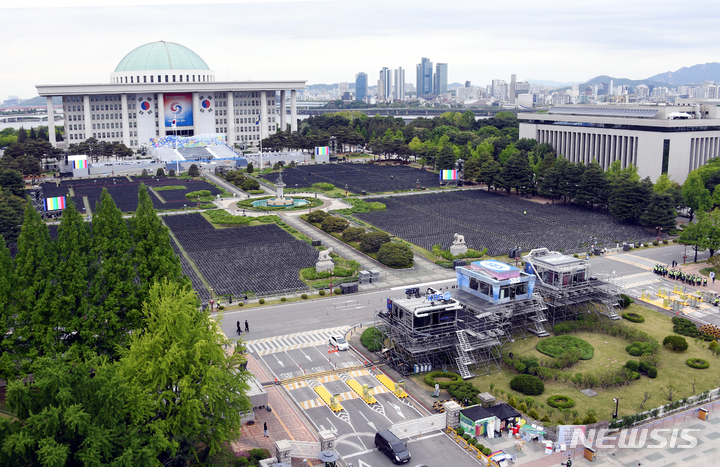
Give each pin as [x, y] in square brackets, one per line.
[280, 199]
[324, 262]
[458, 247]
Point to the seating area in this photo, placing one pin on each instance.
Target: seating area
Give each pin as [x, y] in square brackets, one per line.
[262, 259]
[197, 284]
[223, 152]
[166, 154]
[498, 223]
[370, 178]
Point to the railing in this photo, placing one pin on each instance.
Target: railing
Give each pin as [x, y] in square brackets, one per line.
[418, 426]
[305, 449]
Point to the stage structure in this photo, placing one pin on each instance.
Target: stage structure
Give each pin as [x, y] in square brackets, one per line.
[567, 287]
[432, 330]
[492, 303]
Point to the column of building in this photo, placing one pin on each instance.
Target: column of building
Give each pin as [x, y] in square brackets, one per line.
[231, 138]
[87, 116]
[196, 113]
[161, 114]
[283, 117]
[293, 111]
[263, 115]
[51, 120]
[125, 119]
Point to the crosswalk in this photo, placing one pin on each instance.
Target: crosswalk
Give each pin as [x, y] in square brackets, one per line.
[318, 402]
[298, 340]
[637, 280]
[637, 261]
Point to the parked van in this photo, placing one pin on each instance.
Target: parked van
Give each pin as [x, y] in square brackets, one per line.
[391, 446]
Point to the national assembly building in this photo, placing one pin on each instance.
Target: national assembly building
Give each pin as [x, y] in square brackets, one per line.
[163, 88]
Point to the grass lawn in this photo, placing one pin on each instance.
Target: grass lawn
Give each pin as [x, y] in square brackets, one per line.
[169, 188]
[672, 370]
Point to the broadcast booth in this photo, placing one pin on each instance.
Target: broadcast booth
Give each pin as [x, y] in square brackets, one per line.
[79, 166]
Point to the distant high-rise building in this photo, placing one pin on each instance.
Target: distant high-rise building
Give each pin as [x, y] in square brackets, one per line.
[424, 77]
[441, 78]
[511, 93]
[399, 91]
[360, 86]
[384, 91]
[467, 84]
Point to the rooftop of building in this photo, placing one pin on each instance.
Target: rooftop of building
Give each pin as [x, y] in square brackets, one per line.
[161, 55]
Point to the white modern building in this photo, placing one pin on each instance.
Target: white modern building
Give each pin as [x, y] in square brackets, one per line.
[163, 88]
[656, 138]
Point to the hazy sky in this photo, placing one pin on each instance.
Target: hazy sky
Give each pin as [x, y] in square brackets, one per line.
[79, 41]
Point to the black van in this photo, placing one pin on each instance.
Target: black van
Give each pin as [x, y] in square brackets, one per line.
[391, 446]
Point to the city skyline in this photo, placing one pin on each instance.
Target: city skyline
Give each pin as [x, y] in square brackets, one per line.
[554, 41]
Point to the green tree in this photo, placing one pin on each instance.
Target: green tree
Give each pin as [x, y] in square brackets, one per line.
[250, 184]
[193, 171]
[196, 391]
[446, 158]
[471, 169]
[395, 255]
[372, 241]
[11, 215]
[153, 255]
[115, 308]
[12, 181]
[694, 233]
[160, 172]
[489, 172]
[629, 198]
[516, 172]
[696, 197]
[7, 310]
[663, 183]
[334, 224]
[33, 278]
[593, 189]
[553, 184]
[250, 168]
[69, 304]
[660, 212]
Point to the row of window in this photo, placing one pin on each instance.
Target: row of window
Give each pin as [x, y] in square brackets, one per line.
[109, 135]
[175, 79]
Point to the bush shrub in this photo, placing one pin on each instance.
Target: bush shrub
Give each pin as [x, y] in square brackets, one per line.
[430, 379]
[241, 304]
[626, 301]
[632, 365]
[513, 402]
[633, 317]
[372, 241]
[337, 291]
[322, 293]
[317, 217]
[652, 372]
[198, 194]
[334, 224]
[466, 437]
[545, 419]
[372, 339]
[323, 186]
[522, 407]
[561, 402]
[529, 401]
[558, 345]
[675, 343]
[250, 184]
[472, 441]
[352, 233]
[528, 385]
[395, 255]
[486, 451]
[697, 363]
[261, 301]
[635, 352]
[460, 431]
[589, 420]
[687, 328]
[534, 414]
[643, 366]
[193, 171]
[304, 296]
[464, 392]
[283, 299]
[641, 348]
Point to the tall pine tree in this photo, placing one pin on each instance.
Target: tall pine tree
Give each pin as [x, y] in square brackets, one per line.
[33, 267]
[153, 255]
[69, 301]
[7, 311]
[113, 292]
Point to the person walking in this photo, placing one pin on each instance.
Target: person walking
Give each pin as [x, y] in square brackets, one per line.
[265, 428]
[247, 326]
[239, 331]
[712, 276]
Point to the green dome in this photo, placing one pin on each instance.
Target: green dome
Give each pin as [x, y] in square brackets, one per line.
[161, 56]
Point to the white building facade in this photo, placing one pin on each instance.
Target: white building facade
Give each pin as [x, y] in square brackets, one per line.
[164, 88]
[656, 139]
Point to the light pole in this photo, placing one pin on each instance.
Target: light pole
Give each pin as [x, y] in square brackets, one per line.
[617, 403]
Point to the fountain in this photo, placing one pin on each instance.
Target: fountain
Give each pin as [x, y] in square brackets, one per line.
[280, 200]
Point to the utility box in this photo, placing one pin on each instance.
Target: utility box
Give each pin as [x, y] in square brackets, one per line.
[375, 275]
[703, 414]
[590, 454]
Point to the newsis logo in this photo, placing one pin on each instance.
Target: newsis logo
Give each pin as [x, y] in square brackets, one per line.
[645, 438]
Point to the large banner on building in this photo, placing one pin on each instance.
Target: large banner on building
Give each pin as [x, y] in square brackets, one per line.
[145, 107]
[178, 107]
[205, 114]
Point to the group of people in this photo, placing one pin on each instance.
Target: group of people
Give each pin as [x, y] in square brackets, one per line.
[679, 275]
[239, 329]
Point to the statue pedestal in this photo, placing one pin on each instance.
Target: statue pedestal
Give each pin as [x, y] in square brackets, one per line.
[458, 249]
[324, 265]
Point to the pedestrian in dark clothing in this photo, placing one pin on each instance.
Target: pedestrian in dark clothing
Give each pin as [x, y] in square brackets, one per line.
[239, 331]
[247, 326]
[265, 428]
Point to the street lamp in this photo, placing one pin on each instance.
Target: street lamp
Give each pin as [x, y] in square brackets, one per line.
[617, 403]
